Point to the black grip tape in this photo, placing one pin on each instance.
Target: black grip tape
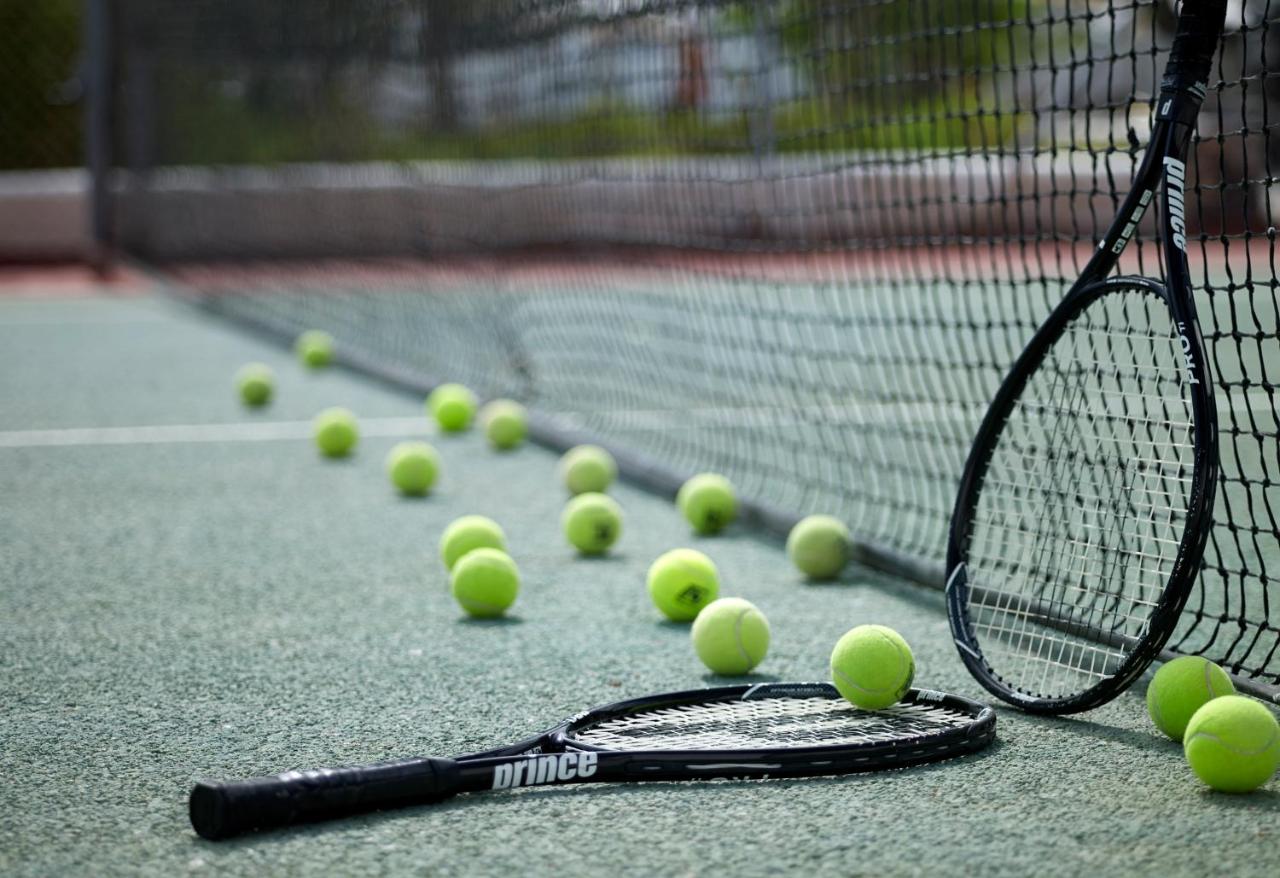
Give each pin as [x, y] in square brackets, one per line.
[221, 810]
[1199, 29]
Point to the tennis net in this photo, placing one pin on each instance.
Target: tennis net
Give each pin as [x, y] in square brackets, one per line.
[797, 242]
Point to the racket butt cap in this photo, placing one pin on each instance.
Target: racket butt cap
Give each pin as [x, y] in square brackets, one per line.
[207, 809]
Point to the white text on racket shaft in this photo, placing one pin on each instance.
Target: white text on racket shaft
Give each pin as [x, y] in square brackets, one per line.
[1175, 179]
[544, 769]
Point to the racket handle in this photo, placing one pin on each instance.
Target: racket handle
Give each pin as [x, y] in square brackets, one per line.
[1199, 29]
[221, 810]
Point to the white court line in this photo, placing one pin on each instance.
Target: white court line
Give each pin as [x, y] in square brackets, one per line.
[22, 312]
[145, 316]
[199, 433]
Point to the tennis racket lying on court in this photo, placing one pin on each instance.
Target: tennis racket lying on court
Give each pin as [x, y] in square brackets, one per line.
[766, 730]
[1085, 503]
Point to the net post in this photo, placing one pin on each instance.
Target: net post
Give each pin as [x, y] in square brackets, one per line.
[98, 140]
[137, 136]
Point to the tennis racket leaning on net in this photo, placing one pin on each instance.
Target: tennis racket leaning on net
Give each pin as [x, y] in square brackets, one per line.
[1086, 501]
[764, 730]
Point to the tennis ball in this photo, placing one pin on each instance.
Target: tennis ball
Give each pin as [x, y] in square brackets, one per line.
[505, 423]
[682, 582]
[587, 469]
[314, 348]
[453, 407]
[468, 533]
[1182, 687]
[412, 467]
[819, 546]
[443, 392]
[256, 384]
[1233, 744]
[592, 523]
[872, 666]
[336, 432]
[454, 415]
[707, 501]
[485, 582]
[731, 636]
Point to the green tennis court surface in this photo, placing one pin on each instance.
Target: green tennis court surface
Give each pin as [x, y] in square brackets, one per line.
[190, 592]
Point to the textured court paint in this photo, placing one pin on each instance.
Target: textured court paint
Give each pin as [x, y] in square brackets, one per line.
[181, 611]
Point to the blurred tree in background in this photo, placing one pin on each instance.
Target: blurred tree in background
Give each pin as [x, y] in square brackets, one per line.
[893, 75]
[912, 45]
[282, 80]
[40, 116]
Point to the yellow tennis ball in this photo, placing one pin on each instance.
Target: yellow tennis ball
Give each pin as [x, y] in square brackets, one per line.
[256, 383]
[1180, 688]
[708, 502]
[336, 432]
[1233, 744]
[453, 406]
[314, 348]
[485, 582]
[506, 423]
[592, 523]
[468, 533]
[443, 392]
[872, 666]
[731, 636]
[413, 467]
[587, 469]
[819, 546]
[682, 582]
[455, 414]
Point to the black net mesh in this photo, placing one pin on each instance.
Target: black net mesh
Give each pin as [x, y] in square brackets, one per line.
[797, 242]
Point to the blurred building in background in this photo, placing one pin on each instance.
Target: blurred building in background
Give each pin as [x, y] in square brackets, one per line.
[266, 82]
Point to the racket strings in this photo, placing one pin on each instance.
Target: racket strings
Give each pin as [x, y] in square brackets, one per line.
[1083, 504]
[769, 723]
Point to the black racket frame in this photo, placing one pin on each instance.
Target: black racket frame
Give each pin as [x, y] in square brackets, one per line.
[1177, 109]
[222, 810]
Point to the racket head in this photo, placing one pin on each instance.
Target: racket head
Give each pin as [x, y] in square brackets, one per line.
[1086, 500]
[776, 729]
